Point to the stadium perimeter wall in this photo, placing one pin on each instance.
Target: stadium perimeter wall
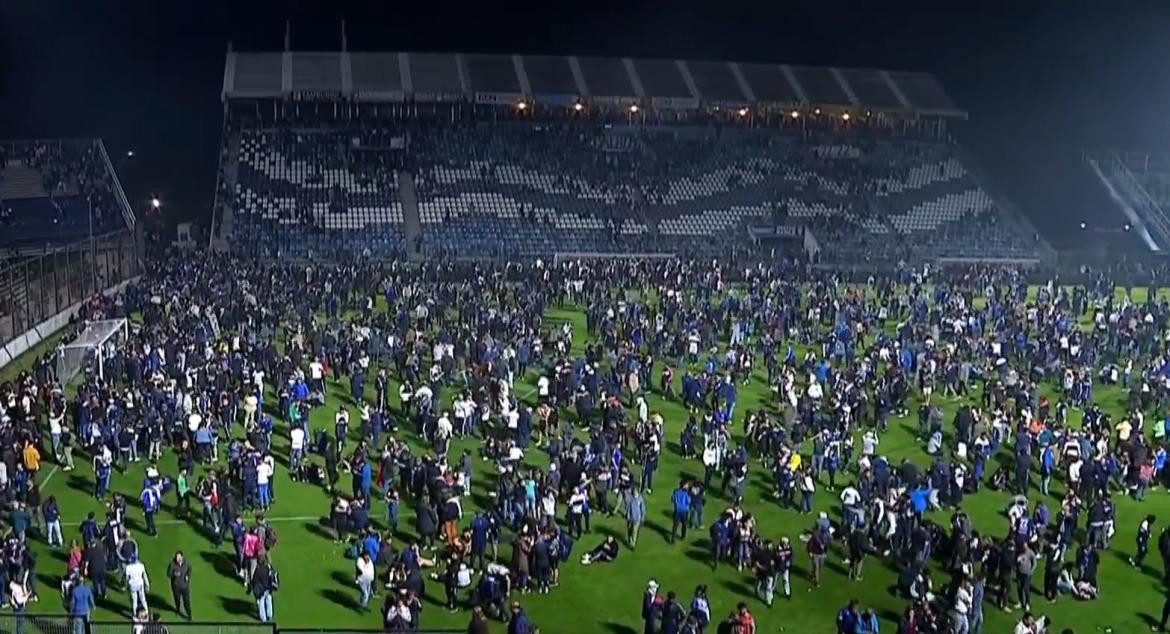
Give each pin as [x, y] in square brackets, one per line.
[42, 331]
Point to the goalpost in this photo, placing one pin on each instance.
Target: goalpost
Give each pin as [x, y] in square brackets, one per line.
[88, 352]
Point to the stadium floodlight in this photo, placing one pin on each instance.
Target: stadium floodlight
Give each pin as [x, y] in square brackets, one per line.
[155, 203]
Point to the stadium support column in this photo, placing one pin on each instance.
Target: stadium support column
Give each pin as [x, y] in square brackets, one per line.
[411, 223]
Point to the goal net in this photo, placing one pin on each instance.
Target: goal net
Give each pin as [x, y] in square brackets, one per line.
[89, 351]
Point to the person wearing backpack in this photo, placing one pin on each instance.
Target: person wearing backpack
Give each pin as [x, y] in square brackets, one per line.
[263, 583]
[268, 534]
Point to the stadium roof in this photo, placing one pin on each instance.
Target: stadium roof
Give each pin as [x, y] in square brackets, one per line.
[661, 83]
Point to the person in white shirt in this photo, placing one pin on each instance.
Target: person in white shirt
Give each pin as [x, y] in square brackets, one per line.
[850, 496]
[963, 600]
[138, 583]
[365, 578]
[296, 453]
[869, 442]
[264, 472]
[1029, 625]
[542, 387]
[711, 460]
[18, 595]
[56, 420]
[444, 426]
[317, 376]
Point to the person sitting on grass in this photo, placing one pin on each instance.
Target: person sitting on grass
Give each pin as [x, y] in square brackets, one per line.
[605, 552]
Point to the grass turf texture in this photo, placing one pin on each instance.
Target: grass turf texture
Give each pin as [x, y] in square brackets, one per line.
[317, 581]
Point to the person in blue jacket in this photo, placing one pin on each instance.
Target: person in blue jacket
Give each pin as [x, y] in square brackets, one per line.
[681, 501]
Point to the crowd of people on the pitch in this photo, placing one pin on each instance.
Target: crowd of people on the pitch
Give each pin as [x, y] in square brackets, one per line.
[230, 354]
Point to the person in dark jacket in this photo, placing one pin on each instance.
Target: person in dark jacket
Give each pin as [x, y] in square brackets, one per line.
[426, 523]
[673, 614]
[95, 566]
[479, 622]
[651, 608]
[519, 623]
[179, 574]
[263, 583]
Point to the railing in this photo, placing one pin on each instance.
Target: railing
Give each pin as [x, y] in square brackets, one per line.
[127, 211]
[38, 287]
[1143, 197]
[1112, 169]
[178, 627]
[596, 255]
[11, 623]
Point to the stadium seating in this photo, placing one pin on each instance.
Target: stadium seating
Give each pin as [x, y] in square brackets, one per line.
[298, 193]
[48, 190]
[533, 189]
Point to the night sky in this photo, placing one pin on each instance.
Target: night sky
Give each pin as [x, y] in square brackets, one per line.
[1042, 81]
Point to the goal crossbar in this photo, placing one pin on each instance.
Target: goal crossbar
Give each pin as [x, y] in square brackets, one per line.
[86, 349]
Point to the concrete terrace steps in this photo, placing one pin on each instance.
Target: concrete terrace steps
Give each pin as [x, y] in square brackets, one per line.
[411, 223]
[20, 181]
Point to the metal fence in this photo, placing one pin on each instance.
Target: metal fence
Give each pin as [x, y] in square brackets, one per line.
[285, 630]
[180, 627]
[36, 287]
[11, 623]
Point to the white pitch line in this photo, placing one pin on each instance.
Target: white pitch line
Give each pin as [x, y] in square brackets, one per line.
[52, 472]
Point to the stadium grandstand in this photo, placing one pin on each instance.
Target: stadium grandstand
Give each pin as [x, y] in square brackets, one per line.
[471, 156]
[66, 231]
[1139, 185]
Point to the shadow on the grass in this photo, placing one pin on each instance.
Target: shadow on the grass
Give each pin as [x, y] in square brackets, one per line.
[79, 483]
[738, 587]
[238, 607]
[618, 628]
[344, 599]
[222, 562]
[319, 529]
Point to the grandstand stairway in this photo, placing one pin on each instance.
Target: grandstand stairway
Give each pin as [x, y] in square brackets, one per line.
[910, 198]
[19, 181]
[227, 221]
[411, 224]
